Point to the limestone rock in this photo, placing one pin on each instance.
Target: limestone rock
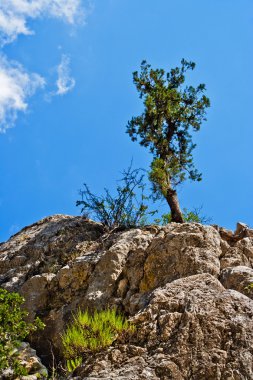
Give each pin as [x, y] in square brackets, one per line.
[239, 253]
[30, 361]
[240, 228]
[36, 294]
[194, 329]
[181, 284]
[109, 268]
[44, 247]
[180, 251]
[239, 278]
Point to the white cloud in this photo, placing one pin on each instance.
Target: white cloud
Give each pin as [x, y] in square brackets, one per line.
[65, 82]
[14, 15]
[16, 86]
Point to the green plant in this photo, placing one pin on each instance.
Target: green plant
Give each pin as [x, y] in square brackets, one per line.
[72, 364]
[249, 287]
[171, 112]
[13, 330]
[193, 216]
[127, 209]
[89, 333]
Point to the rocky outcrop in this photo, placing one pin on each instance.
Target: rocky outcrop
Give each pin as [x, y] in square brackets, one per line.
[187, 287]
[239, 278]
[192, 329]
[30, 361]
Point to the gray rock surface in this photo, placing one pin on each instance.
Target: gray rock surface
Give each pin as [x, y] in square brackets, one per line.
[190, 330]
[44, 247]
[30, 361]
[239, 278]
[238, 253]
[182, 285]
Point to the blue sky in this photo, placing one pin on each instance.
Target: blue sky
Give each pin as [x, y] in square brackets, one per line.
[66, 94]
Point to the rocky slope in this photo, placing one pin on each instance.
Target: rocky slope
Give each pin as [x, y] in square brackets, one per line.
[186, 287]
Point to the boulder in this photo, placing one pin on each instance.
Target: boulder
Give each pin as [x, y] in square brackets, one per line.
[194, 329]
[239, 253]
[180, 251]
[187, 287]
[30, 361]
[239, 278]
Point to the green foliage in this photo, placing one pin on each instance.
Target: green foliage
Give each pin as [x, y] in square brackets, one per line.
[13, 330]
[127, 209]
[89, 333]
[72, 364]
[188, 216]
[249, 287]
[172, 111]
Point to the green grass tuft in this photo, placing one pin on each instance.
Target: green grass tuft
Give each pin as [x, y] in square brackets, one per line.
[89, 333]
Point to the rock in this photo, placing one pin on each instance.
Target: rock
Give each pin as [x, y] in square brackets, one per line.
[239, 278]
[30, 361]
[36, 294]
[240, 228]
[243, 230]
[106, 274]
[225, 234]
[166, 279]
[180, 251]
[45, 247]
[194, 329]
[240, 253]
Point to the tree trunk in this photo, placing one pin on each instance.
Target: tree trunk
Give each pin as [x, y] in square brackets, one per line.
[176, 213]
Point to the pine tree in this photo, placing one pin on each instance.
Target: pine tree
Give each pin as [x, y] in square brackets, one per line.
[172, 111]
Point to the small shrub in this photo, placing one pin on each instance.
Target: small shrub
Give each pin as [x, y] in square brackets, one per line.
[188, 217]
[89, 333]
[249, 287]
[127, 209]
[13, 330]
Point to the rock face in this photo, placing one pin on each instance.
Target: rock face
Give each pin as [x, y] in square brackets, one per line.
[30, 361]
[188, 289]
